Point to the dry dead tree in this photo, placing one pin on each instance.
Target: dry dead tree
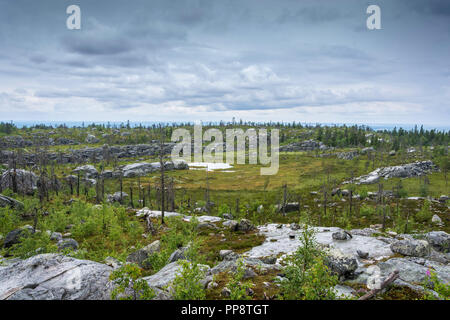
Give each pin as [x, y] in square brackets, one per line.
[391, 278]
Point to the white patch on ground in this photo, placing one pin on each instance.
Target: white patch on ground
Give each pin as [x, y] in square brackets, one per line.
[210, 166]
[156, 214]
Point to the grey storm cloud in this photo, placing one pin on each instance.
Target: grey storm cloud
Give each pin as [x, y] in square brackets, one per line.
[212, 59]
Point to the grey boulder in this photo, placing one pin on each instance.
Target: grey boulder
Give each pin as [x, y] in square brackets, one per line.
[140, 256]
[68, 243]
[10, 202]
[414, 248]
[343, 265]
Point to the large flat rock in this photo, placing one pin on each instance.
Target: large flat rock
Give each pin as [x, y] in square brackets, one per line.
[55, 277]
[377, 249]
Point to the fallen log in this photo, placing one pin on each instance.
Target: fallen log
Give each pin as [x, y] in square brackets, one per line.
[391, 278]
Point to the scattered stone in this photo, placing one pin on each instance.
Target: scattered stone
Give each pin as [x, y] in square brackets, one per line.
[113, 262]
[56, 236]
[15, 236]
[140, 256]
[288, 207]
[228, 216]
[340, 235]
[116, 197]
[269, 259]
[67, 244]
[178, 254]
[362, 254]
[260, 209]
[344, 292]
[206, 226]
[249, 274]
[88, 170]
[295, 226]
[228, 255]
[437, 220]
[341, 264]
[212, 285]
[232, 224]
[367, 150]
[225, 292]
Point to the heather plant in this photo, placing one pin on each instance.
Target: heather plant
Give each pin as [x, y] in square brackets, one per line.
[432, 282]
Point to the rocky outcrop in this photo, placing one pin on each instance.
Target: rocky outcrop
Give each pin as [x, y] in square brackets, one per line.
[88, 170]
[55, 277]
[37, 140]
[25, 180]
[116, 197]
[98, 153]
[164, 277]
[403, 171]
[347, 155]
[143, 168]
[307, 145]
[179, 254]
[414, 271]
[90, 138]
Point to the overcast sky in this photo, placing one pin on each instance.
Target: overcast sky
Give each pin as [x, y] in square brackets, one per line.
[171, 60]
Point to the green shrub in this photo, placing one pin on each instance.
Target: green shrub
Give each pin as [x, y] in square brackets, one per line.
[423, 191]
[128, 278]
[366, 211]
[32, 244]
[9, 220]
[425, 214]
[238, 287]
[306, 276]
[187, 285]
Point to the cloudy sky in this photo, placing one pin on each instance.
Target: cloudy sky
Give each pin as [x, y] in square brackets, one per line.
[292, 60]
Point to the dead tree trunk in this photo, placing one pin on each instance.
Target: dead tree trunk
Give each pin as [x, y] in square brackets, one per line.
[391, 278]
[161, 162]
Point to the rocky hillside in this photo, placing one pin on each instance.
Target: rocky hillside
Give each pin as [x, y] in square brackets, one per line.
[356, 256]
